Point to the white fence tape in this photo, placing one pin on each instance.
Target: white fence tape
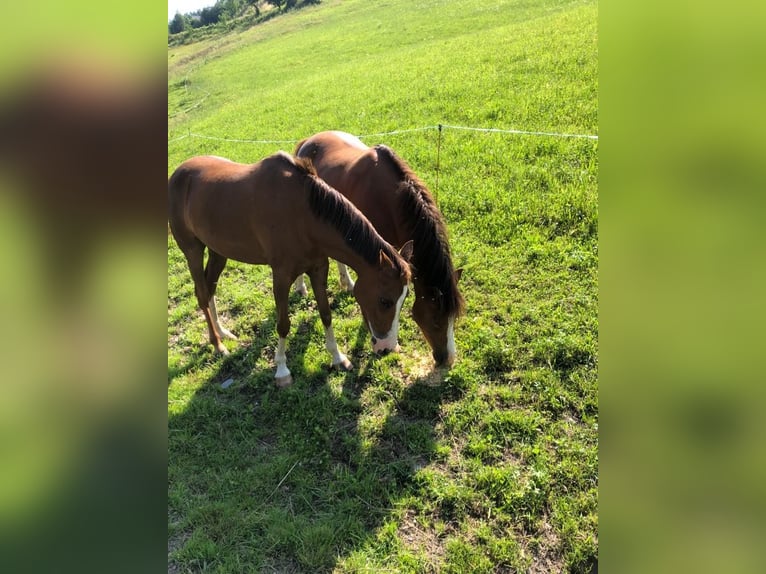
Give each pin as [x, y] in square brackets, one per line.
[439, 127]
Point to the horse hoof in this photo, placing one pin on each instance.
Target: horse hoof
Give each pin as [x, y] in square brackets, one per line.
[344, 365]
[223, 350]
[282, 382]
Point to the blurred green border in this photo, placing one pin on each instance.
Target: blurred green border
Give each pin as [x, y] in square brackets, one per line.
[83, 485]
[682, 287]
[682, 267]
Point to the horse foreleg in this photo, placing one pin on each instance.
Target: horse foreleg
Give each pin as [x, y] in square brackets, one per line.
[345, 279]
[283, 377]
[281, 287]
[339, 360]
[318, 277]
[300, 286]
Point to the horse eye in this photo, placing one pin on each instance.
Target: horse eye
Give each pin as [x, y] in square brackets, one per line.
[386, 303]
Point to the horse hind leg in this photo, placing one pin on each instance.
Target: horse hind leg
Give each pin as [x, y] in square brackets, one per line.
[223, 332]
[300, 286]
[345, 279]
[194, 252]
[318, 277]
[213, 270]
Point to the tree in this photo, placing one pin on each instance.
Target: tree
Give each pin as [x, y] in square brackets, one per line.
[177, 24]
[230, 9]
[211, 14]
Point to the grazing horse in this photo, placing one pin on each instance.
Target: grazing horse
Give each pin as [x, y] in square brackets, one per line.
[278, 212]
[401, 208]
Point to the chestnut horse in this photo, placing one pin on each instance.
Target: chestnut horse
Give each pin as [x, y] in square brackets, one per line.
[278, 212]
[401, 208]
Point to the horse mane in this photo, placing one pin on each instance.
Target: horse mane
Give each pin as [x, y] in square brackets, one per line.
[304, 164]
[299, 146]
[432, 260]
[327, 204]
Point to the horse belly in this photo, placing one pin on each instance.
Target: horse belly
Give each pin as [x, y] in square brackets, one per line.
[251, 253]
[234, 240]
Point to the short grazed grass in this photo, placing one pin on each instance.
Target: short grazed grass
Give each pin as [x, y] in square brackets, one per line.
[491, 467]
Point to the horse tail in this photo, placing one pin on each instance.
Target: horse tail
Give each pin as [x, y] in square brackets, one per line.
[175, 183]
[178, 191]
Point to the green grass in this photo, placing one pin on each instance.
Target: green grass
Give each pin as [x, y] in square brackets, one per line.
[492, 467]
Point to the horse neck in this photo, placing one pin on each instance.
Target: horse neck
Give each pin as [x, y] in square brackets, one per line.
[334, 245]
[421, 288]
[341, 230]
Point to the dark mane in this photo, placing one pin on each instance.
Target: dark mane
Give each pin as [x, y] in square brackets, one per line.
[432, 260]
[304, 164]
[331, 207]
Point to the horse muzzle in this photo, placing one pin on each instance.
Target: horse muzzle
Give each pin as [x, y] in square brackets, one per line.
[444, 360]
[384, 345]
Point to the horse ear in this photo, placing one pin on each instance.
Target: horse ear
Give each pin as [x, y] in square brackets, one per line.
[458, 274]
[407, 250]
[385, 260]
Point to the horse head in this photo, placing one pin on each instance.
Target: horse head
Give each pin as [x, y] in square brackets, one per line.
[436, 321]
[380, 291]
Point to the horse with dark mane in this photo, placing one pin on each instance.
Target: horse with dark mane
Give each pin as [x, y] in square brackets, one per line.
[402, 209]
[279, 213]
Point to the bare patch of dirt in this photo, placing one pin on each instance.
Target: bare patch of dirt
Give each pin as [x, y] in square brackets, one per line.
[419, 368]
[208, 51]
[175, 542]
[546, 558]
[421, 540]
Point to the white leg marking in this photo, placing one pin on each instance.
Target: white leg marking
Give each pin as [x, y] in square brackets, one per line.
[345, 279]
[300, 286]
[338, 358]
[451, 352]
[222, 332]
[282, 375]
[390, 341]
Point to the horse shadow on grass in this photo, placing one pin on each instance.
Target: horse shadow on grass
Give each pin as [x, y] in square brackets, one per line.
[262, 479]
[261, 337]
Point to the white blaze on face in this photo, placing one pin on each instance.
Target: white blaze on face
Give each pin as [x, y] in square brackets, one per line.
[390, 340]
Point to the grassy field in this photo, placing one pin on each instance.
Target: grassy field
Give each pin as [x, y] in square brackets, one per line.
[491, 467]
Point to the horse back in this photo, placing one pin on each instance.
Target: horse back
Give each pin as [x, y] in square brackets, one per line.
[356, 171]
[237, 210]
[334, 157]
[204, 183]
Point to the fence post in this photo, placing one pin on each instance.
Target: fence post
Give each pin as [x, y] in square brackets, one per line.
[438, 157]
